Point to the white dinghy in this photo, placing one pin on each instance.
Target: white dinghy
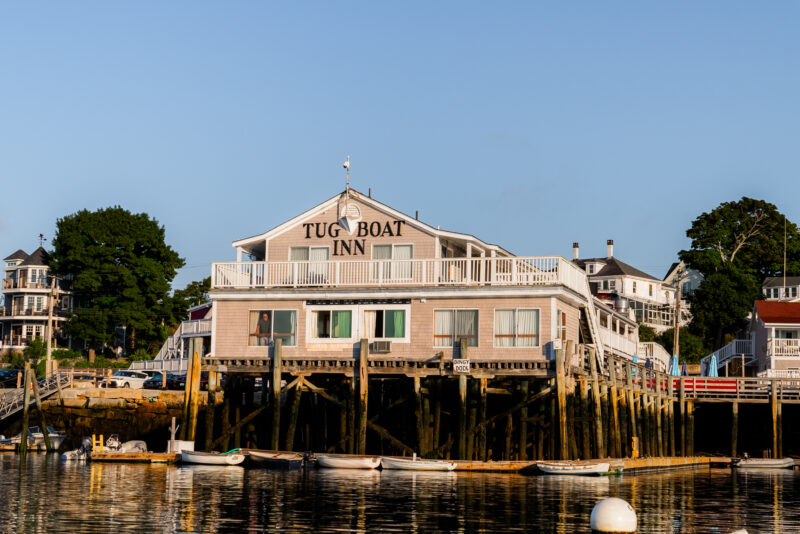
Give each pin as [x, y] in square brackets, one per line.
[764, 463]
[565, 468]
[416, 464]
[212, 458]
[347, 461]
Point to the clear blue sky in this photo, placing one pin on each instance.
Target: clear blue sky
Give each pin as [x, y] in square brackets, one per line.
[530, 125]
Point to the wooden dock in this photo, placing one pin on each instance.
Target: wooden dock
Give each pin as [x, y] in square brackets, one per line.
[502, 466]
[134, 457]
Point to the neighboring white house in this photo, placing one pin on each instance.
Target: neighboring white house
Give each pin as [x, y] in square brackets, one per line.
[27, 291]
[628, 290]
[772, 347]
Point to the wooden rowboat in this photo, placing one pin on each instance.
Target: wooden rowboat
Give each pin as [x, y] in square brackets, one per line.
[347, 461]
[276, 459]
[565, 468]
[764, 463]
[416, 464]
[212, 458]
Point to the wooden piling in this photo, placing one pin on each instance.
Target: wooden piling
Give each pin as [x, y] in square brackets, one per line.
[275, 390]
[45, 433]
[774, 406]
[734, 427]
[523, 421]
[482, 407]
[462, 417]
[472, 416]
[586, 417]
[671, 415]
[615, 430]
[631, 402]
[598, 412]
[363, 388]
[294, 408]
[26, 404]
[418, 415]
[194, 391]
[210, 408]
[690, 428]
[659, 427]
[780, 429]
[563, 441]
[682, 409]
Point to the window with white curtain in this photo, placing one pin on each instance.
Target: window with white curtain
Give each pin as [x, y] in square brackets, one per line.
[516, 328]
[392, 270]
[316, 270]
[388, 324]
[451, 326]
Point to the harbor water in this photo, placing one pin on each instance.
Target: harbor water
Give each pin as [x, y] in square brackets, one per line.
[46, 494]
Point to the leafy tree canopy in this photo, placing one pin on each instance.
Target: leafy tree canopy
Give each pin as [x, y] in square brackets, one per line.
[746, 234]
[692, 347]
[121, 270]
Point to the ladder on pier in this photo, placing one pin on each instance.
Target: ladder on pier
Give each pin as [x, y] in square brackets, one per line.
[13, 401]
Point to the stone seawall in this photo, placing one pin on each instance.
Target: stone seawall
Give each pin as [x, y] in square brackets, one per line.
[131, 413]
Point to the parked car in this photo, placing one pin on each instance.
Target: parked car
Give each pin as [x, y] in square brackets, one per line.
[181, 381]
[125, 379]
[8, 378]
[156, 381]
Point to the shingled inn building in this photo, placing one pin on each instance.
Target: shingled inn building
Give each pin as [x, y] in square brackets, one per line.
[352, 268]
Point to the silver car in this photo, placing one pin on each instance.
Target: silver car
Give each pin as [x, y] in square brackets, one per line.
[125, 379]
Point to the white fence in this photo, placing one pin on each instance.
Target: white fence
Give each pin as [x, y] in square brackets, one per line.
[177, 364]
[538, 270]
[657, 354]
[617, 342]
[785, 348]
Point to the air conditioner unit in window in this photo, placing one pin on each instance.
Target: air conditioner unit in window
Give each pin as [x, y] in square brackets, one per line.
[381, 347]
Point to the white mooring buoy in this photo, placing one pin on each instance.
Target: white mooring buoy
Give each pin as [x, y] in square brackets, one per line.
[613, 515]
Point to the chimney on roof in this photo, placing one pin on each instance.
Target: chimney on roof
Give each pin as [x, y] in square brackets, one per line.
[610, 248]
[575, 254]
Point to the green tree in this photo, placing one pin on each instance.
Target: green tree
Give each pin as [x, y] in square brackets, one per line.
[691, 346]
[193, 294]
[646, 333]
[120, 269]
[735, 246]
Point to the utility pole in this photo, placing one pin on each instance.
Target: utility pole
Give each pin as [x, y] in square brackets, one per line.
[677, 329]
[50, 305]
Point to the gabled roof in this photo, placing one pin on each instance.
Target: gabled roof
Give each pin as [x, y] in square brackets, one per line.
[777, 281]
[18, 255]
[369, 201]
[778, 312]
[37, 257]
[671, 269]
[614, 267]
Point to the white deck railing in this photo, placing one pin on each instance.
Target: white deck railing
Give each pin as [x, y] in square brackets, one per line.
[734, 349]
[617, 342]
[784, 347]
[657, 354]
[541, 270]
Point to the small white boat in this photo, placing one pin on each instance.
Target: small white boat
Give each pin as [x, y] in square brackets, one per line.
[764, 463]
[347, 461]
[416, 464]
[565, 468]
[212, 458]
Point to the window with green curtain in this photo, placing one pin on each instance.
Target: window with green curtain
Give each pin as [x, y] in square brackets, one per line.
[341, 323]
[395, 323]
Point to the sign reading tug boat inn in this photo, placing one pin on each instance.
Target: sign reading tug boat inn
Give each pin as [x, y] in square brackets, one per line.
[352, 268]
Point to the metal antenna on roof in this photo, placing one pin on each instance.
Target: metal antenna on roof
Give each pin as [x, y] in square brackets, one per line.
[42, 239]
[784, 256]
[346, 166]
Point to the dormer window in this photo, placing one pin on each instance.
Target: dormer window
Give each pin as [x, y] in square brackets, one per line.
[591, 268]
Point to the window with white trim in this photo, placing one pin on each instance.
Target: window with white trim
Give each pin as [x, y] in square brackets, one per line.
[634, 286]
[561, 327]
[269, 325]
[451, 326]
[392, 270]
[384, 324]
[516, 328]
[331, 324]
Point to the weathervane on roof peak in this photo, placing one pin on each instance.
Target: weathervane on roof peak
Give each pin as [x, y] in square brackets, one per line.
[42, 239]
